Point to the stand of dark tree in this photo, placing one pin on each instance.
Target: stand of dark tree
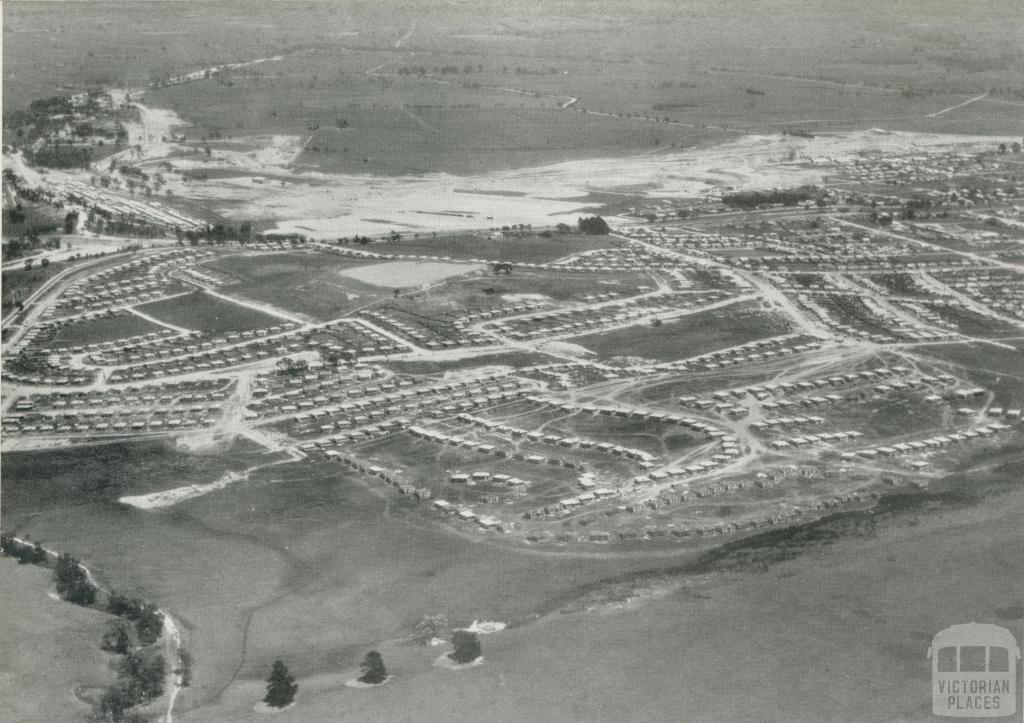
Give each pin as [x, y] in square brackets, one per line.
[593, 226]
[753, 199]
[132, 633]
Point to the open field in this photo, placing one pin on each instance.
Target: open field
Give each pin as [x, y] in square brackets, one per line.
[400, 274]
[528, 248]
[52, 648]
[102, 473]
[505, 74]
[202, 312]
[723, 612]
[279, 532]
[995, 367]
[104, 329]
[309, 283]
[513, 359]
[691, 335]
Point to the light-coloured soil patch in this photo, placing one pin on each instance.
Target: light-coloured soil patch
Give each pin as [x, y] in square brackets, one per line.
[445, 662]
[486, 627]
[264, 709]
[167, 498]
[565, 347]
[516, 298]
[402, 274]
[356, 683]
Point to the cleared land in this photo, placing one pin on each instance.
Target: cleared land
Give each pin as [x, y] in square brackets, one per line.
[309, 283]
[400, 274]
[200, 311]
[528, 248]
[689, 336]
[106, 329]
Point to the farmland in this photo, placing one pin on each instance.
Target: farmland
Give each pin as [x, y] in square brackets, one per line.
[670, 348]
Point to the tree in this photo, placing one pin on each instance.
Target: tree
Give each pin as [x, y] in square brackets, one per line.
[16, 214]
[119, 637]
[146, 669]
[292, 367]
[373, 669]
[430, 627]
[72, 583]
[467, 647]
[70, 221]
[281, 686]
[115, 701]
[149, 623]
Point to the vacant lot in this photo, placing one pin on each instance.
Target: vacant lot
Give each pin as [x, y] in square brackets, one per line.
[309, 283]
[987, 365]
[529, 248]
[202, 312]
[400, 274]
[50, 648]
[105, 329]
[690, 336]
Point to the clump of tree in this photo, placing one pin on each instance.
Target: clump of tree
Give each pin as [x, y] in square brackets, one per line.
[292, 367]
[149, 623]
[373, 669]
[55, 156]
[753, 199]
[140, 680]
[431, 627]
[281, 686]
[593, 226]
[119, 637]
[25, 553]
[467, 647]
[72, 582]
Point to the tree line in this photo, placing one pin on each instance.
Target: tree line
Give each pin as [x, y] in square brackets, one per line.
[133, 632]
